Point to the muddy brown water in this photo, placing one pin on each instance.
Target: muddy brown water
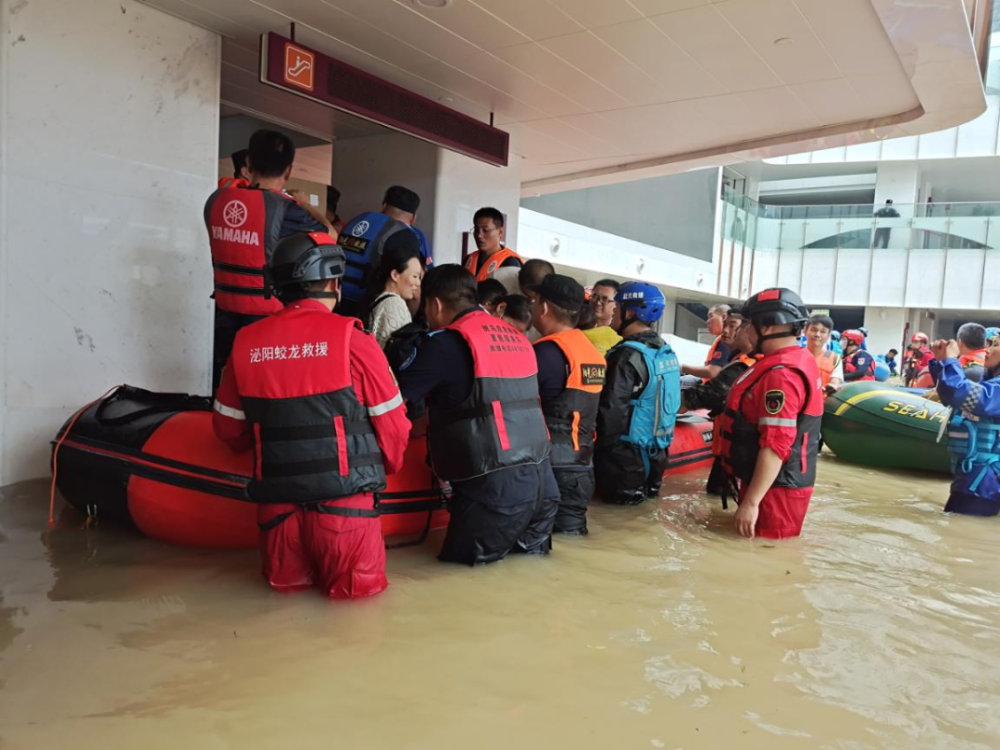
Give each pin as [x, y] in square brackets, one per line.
[878, 628]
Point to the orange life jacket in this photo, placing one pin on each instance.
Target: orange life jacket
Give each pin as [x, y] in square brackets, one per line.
[977, 357]
[572, 416]
[827, 363]
[495, 261]
[712, 350]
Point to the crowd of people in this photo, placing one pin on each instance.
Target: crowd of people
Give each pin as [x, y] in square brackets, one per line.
[535, 394]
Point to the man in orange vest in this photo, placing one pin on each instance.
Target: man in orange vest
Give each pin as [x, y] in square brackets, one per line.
[831, 368]
[719, 354]
[972, 351]
[244, 224]
[492, 259]
[571, 374]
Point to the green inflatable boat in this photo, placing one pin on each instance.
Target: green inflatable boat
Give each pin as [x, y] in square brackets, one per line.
[877, 425]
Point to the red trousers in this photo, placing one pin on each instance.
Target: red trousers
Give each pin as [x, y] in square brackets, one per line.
[782, 512]
[344, 556]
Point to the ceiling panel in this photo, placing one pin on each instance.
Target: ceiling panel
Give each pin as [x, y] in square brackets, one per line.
[542, 64]
[593, 81]
[762, 23]
[831, 101]
[535, 19]
[850, 31]
[473, 23]
[659, 7]
[592, 14]
[647, 47]
[705, 35]
[586, 52]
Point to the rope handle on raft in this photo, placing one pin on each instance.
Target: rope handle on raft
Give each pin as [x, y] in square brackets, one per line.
[55, 452]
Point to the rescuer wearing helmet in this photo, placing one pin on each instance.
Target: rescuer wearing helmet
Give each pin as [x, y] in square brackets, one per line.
[571, 374]
[918, 357]
[639, 403]
[769, 430]
[314, 396]
[858, 364]
[486, 431]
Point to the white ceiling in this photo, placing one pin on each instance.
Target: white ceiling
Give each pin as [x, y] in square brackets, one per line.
[593, 89]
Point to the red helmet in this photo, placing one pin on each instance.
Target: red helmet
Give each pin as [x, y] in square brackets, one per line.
[853, 336]
[920, 338]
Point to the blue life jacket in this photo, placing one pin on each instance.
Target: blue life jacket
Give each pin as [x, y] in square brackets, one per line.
[363, 240]
[654, 412]
[974, 447]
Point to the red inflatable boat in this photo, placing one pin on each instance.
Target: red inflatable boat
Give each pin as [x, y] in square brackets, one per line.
[152, 461]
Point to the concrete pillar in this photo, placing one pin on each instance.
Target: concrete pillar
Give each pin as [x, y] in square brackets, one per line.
[886, 327]
[898, 182]
[109, 125]
[451, 186]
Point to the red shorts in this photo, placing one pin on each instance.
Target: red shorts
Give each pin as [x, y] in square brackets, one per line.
[782, 512]
[344, 556]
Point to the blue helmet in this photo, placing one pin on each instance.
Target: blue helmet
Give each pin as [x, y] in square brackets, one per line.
[835, 335]
[646, 300]
[992, 332]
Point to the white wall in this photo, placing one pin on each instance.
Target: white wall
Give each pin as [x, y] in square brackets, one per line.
[885, 328]
[109, 126]
[604, 254]
[451, 186]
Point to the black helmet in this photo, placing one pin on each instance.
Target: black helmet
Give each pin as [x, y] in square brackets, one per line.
[775, 307]
[301, 259]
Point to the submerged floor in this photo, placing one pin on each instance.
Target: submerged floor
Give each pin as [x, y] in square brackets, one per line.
[877, 629]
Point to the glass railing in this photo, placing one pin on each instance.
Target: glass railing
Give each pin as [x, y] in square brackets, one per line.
[903, 226]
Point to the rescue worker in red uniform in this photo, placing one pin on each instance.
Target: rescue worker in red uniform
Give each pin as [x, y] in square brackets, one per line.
[312, 393]
[244, 225]
[492, 259]
[486, 430]
[917, 358]
[858, 364]
[571, 374]
[770, 426]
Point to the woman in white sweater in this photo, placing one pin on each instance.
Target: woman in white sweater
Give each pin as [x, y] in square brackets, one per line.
[396, 281]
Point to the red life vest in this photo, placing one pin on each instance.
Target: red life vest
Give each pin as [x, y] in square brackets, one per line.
[572, 416]
[739, 438]
[312, 438]
[492, 265]
[236, 182]
[851, 366]
[501, 424]
[243, 228]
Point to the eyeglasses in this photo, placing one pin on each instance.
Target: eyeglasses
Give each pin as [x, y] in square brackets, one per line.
[483, 230]
[603, 300]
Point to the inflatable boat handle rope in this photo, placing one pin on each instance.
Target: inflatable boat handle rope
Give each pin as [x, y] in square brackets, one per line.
[55, 454]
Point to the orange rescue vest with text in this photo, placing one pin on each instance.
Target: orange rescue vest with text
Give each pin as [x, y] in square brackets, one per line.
[827, 363]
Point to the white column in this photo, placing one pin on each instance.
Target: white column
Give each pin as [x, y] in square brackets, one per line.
[885, 328]
[109, 119]
[451, 186]
[898, 182]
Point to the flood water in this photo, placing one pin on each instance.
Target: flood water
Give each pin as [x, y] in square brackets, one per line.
[879, 628]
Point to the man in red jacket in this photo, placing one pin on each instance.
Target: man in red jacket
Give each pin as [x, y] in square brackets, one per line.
[312, 393]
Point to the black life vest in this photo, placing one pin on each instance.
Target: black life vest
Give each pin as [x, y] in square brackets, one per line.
[501, 423]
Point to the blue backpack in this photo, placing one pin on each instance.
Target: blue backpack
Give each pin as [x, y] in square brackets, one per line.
[654, 412]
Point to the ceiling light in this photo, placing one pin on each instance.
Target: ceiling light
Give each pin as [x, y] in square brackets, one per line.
[432, 3]
[783, 40]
